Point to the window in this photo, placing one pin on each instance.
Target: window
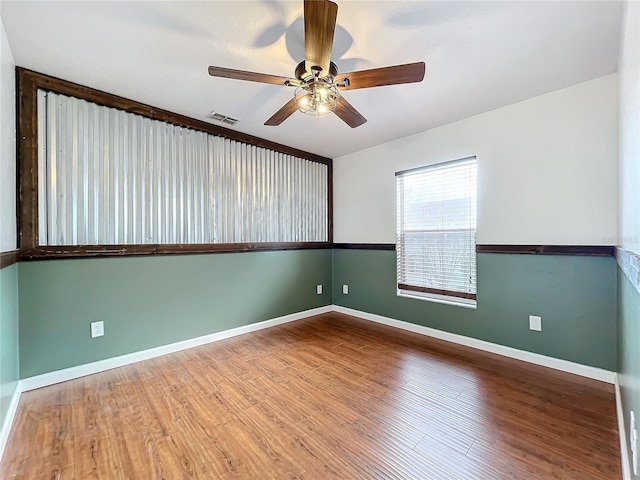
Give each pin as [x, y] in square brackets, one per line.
[436, 237]
[105, 175]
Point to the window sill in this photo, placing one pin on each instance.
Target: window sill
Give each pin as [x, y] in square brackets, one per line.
[434, 298]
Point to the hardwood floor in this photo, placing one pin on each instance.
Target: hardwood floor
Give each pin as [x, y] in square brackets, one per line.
[322, 398]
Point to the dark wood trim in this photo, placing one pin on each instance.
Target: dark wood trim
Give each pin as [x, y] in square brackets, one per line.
[53, 84]
[573, 250]
[27, 85]
[448, 293]
[27, 161]
[330, 206]
[9, 258]
[365, 246]
[88, 251]
[578, 250]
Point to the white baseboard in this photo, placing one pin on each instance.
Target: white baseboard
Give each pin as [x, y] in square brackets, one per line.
[8, 419]
[622, 432]
[538, 359]
[51, 378]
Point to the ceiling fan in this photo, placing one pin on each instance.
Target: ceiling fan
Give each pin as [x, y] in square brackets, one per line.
[317, 81]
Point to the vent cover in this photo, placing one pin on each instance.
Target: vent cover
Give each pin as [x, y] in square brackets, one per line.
[221, 117]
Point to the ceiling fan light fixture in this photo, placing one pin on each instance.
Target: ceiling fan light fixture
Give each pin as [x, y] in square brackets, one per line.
[316, 77]
[316, 97]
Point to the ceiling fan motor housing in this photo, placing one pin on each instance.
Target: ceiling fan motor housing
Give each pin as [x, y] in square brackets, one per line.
[304, 76]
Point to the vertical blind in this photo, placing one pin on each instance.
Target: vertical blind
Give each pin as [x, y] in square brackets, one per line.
[436, 236]
[109, 177]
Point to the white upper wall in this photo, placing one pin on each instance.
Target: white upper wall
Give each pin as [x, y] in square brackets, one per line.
[629, 147]
[7, 146]
[547, 171]
[480, 55]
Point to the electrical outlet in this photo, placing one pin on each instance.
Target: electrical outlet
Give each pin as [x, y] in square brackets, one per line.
[535, 323]
[633, 440]
[97, 329]
[345, 289]
[319, 289]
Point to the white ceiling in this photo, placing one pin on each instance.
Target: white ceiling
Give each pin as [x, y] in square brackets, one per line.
[480, 55]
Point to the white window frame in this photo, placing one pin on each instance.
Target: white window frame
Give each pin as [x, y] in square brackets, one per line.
[456, 297]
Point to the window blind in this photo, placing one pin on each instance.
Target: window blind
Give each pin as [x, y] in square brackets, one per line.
[436, 235]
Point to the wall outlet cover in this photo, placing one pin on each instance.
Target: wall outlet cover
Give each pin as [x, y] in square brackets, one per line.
[319, 289]
[97, 329]
[345, 289]
[535, 323]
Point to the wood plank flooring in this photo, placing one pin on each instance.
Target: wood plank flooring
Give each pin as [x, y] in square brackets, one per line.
[329, 397]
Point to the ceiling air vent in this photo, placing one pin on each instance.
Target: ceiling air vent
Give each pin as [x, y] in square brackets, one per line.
[221, 117]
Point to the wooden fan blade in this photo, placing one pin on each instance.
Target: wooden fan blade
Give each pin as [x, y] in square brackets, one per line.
[348, 114]
[319, 27]
[252, 76]
[377, 77]
[281, 115]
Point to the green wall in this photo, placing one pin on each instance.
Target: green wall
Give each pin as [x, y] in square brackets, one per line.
[629, 348]
[147, 302]
[575, 296]
[8, 336]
